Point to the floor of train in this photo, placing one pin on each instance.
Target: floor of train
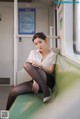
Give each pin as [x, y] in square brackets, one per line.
[4, 92]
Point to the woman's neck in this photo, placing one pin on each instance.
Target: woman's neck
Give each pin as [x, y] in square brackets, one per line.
[45, 52]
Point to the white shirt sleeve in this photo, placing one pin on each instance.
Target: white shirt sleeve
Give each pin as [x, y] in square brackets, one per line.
[54, 58]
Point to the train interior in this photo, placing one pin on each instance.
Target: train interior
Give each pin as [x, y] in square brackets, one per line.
[59, 20]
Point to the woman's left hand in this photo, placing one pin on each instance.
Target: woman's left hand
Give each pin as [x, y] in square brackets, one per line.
[35, 87]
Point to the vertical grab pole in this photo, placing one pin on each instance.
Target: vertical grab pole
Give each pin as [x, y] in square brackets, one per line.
[51, 34]
[15, 39]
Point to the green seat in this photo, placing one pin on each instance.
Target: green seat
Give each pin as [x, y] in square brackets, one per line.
[25, 106]
[67, 72]
[28, 105]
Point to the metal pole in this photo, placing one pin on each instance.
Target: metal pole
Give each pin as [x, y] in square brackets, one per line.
[51, 40]
[30, 36]
[15, 39]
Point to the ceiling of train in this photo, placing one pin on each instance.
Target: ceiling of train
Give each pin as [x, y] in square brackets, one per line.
[47, 2]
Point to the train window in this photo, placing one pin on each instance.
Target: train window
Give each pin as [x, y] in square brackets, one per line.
[76, 28]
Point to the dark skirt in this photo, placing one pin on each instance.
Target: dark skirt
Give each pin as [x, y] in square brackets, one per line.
[50, 80]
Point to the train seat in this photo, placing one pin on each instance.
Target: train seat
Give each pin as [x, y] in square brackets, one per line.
[30, 106]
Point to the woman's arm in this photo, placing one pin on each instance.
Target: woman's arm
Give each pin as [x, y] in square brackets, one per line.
[41, 66]
[48, 70]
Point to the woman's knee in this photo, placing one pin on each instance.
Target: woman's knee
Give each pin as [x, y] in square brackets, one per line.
[27, 66]
[14, 91]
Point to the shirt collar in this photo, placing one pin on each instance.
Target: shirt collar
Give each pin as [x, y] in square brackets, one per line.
[37, 50]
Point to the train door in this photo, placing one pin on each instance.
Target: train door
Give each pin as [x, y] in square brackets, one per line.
[25, 44]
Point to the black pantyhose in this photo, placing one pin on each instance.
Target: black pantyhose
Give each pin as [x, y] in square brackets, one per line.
[39, 76]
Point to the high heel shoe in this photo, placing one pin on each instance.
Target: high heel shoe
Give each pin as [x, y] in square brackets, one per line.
[46, 99]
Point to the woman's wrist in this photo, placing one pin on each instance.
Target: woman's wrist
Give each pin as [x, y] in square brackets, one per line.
[41, 66]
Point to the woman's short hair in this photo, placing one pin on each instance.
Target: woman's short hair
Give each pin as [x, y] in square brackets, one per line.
[39, 35]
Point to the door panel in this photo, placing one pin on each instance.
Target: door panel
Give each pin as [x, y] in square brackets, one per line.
[6, 43]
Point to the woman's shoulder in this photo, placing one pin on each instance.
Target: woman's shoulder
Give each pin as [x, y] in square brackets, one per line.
[33, 51]
[52, 52]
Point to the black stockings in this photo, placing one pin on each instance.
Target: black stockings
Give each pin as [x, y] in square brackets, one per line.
[20, 89]
[39, 76]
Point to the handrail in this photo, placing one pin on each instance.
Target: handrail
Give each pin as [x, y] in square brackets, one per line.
[30, 36]
[70, 59]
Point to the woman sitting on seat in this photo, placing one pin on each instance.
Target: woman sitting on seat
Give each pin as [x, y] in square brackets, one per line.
[40, 66]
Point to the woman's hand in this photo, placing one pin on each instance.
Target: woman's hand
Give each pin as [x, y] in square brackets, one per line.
[39, 65]
[35, 87]
[36, 64]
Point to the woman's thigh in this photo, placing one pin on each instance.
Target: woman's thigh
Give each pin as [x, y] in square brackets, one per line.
[23, 88]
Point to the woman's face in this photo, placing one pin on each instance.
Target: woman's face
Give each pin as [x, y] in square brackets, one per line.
[40, 44]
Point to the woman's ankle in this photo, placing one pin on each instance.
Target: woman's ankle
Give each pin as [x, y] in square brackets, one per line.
[46, 93]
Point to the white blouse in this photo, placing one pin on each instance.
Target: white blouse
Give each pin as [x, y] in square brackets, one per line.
[47, 61]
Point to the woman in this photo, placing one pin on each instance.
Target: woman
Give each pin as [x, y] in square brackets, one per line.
[40, 66]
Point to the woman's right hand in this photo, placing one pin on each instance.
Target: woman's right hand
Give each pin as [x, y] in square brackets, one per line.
[35, 87]
[36, 64]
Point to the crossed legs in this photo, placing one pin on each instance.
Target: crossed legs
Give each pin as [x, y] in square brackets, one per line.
[38, 75]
